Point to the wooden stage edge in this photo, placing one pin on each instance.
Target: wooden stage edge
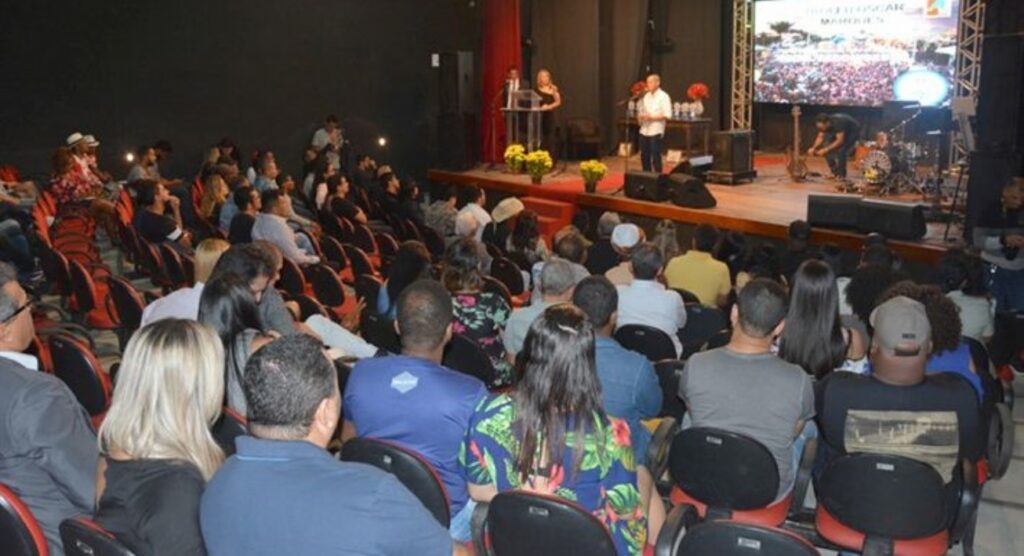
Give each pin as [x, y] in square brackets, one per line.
[927, 251]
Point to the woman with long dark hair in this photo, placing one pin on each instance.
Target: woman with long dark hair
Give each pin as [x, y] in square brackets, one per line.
[412, 262]
[479, 315]
[525, 246]
[229, 306]
[814, 338]
[561, 443]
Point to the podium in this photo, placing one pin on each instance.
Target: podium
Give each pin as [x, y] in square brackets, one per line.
[522, 119]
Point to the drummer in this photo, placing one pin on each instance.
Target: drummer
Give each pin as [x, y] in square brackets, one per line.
[837, 136]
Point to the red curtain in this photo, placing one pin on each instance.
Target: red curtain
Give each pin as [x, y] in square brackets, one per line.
[500, 49]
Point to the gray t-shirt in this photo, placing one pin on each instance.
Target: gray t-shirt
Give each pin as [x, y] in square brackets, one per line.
[760, 396]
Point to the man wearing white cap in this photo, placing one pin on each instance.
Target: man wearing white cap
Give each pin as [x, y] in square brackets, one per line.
[77, 144]
[625, 238]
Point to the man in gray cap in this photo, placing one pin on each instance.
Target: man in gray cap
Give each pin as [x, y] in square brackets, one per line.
[898, 409]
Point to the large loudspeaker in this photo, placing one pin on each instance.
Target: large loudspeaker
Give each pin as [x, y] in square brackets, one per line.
[688, 191]
[697, 167]
[833, 210]
[891, 219]
[456, 126]
[647, 186]
[1001, 104]
[733, 156]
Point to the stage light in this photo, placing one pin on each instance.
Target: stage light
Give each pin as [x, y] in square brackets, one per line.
[382, 141]
[129, 157]
[923, 85]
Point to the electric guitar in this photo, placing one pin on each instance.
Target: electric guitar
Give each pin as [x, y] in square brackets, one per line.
[796, 167]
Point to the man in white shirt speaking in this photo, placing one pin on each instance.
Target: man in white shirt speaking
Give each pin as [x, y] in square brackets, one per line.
[654, 110]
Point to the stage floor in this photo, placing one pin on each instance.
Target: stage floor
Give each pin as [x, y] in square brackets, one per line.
[764, 207]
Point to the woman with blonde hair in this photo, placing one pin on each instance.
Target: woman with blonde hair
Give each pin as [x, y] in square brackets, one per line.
[157, 449]
[551, 99]
[215, 193]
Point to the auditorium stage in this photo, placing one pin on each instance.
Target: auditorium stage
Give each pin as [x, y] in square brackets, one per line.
[763, 208]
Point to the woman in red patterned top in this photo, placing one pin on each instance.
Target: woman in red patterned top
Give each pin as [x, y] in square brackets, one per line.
[73, 189]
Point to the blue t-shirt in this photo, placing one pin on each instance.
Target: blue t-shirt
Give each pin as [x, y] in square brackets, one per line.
[418, 405]
[630, 389]
[957, 361]
[281, 497]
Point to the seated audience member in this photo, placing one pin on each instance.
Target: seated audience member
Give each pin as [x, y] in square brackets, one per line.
[308, 502]
[798, 248]
[503, 221]
[48, 449]
[316, 180]
[248, 203]
[151, 221]
[229, 210]
[999, 236]
[629, 386]
[521, 440]
[229, 151]
[409, 203]
[872, 413]
[732, 250]
[337, 202]
[387, 194]
[473, 201]
[601, 255]
[525, 246]
[15, 246]
[272, 225]
[479, 315]
[329, 136]
[625, 238]
[646, 301]
[157, 448]
[666, 239]
[556, 285]
[570, 246]
[949, 354]
[874, 274]
[964, 281]
[73, 189]
[440, 214]
[744, 388]
[696, 271]
[228, 306]
[814, 337]
[761, 262]
[145, 167]
[436, 403]
[412, 262]
[267, 173]
[366, 171]
[215, 194]
[184, 303]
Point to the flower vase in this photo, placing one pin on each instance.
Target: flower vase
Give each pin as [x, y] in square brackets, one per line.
[590, 186]
[516, 167]
[698, 108]
[535, 179]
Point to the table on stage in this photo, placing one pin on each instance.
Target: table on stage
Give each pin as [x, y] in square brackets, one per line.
[701, 124]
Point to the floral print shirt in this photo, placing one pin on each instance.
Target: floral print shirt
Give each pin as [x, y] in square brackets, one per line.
[481, 317]
[605, 484]
[71, 187]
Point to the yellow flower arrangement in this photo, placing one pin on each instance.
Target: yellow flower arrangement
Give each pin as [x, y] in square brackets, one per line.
[515, 155]
[538, 163]
[593, 171]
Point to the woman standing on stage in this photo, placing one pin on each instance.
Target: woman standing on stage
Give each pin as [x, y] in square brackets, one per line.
[550, 100]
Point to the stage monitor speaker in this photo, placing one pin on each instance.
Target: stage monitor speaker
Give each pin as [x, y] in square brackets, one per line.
[733, 156]
[696, 166]
[833, 210]
[892, 219]
[647, 186]
[688, 191]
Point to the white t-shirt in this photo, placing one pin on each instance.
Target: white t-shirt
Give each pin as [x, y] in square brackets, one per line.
[977, 314]
[657, 104]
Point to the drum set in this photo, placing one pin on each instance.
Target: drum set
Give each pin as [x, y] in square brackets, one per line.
[896, 163]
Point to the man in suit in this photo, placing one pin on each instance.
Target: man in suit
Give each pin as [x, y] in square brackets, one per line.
[48, 451]
[512, 84]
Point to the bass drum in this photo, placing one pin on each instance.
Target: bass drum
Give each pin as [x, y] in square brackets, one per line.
[876, 166]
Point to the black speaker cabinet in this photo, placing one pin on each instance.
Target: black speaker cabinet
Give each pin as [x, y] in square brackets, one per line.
[647, 186]
[892, 219]
[688, 191]
[697, 167]
[833, 210]
[733, 156]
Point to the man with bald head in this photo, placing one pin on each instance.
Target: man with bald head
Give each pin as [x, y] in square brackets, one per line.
[653, 110]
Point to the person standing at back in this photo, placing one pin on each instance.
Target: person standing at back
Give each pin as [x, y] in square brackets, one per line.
[283, 493]
[744, 388]
[436, 402]
[655, 108]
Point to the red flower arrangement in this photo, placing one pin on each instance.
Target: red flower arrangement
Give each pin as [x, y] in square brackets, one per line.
[697, 91]
[637, 88]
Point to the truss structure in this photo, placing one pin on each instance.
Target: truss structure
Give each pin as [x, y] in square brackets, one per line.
[741, 107]
[970, 35]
